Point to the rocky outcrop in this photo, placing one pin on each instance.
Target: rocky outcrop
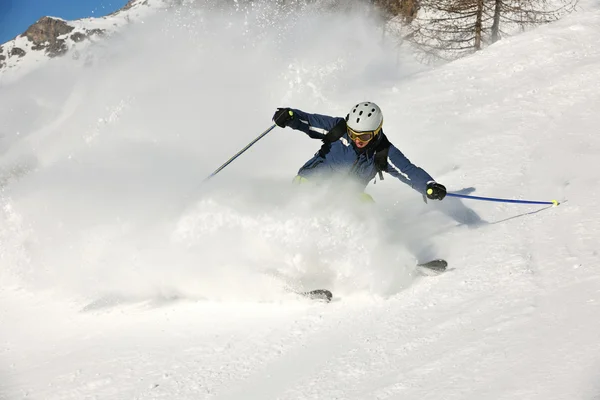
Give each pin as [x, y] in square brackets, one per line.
[49, 34]
[54, 37]
[78, 37]
[129, 4]
[17, 52]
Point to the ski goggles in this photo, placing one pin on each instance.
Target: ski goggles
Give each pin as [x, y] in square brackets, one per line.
[363, 136]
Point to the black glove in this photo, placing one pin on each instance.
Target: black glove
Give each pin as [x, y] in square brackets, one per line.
[283, 116]
[435, 191]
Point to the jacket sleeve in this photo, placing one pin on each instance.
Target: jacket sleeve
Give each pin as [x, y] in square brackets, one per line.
[314, 125]
[400, 167]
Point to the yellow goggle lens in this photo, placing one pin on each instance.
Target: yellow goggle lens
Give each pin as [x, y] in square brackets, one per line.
[363, 136]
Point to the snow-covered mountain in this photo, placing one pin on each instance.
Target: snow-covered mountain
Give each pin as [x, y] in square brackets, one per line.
[123, 277]
[52, 37]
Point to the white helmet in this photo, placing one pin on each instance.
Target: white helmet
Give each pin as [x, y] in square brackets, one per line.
[365, 117]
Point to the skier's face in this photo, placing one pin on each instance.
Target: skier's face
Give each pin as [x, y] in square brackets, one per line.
[362, 139]
[360, 144]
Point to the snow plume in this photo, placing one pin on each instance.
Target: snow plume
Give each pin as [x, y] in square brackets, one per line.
[101, 164]
[304, 237]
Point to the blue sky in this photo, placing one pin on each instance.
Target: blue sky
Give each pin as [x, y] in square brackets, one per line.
[17, 15]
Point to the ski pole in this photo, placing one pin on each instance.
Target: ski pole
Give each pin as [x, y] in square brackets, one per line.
[464, 196]
[240, 153]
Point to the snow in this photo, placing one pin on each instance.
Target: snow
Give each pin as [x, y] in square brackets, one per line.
[125, 278]
[16, 61]
[17, 67]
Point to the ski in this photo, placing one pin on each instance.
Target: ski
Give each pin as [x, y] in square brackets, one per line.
[318, 294]
[433, 267]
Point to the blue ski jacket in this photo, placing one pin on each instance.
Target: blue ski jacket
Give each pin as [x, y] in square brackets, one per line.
[343, 157]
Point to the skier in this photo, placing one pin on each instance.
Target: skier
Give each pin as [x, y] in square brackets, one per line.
[356, 146]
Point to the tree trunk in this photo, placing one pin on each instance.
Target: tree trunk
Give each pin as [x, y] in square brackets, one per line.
[409, 9]
[478, 25]
[496, 24]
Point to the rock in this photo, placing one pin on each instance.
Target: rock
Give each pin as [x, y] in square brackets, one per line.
[47, 29]
[46, 33]
[129, 4]
[78, 37]
[53, 36]
[17, 51]
[95, 32]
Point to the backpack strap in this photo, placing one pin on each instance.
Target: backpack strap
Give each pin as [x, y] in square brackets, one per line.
[382, 147]
[381, 155]
[336, 132]
[332, 136]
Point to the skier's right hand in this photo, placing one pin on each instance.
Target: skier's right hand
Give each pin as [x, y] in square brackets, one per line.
[283, 116]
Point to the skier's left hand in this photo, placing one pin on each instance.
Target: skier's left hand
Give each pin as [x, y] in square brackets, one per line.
[435, 191]
[283, 116]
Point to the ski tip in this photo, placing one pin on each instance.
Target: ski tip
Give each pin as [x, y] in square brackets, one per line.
[433, 266]
[319, 294]
[437, 263]
[555, 203]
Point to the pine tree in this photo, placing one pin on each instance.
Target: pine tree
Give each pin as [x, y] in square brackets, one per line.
[450, 29]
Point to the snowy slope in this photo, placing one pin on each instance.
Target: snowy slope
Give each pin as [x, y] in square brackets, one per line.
[123, 278]
[21, 55]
